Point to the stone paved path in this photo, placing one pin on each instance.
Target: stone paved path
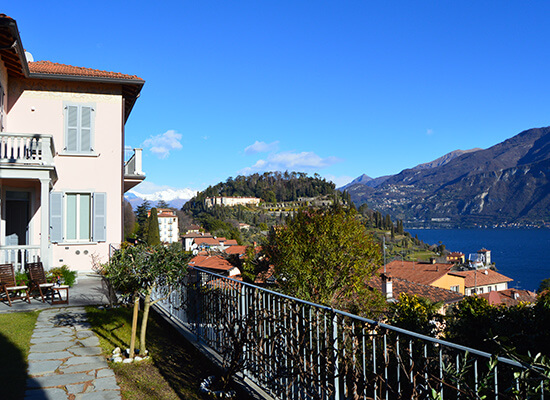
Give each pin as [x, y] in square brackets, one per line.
[65, 361]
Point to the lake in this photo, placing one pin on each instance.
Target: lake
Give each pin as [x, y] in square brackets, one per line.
[520, 254]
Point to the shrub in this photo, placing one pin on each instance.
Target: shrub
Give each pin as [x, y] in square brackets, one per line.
[64, 273]
[21, 278]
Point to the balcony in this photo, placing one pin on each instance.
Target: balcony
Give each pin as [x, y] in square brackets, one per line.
[133, 172]
[26, 155]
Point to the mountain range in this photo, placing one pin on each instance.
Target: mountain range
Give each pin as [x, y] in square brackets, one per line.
[175, 198]
[506, 184]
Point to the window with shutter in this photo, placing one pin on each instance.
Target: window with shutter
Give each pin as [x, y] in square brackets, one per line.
[78, 217]
[56, 217]
[100, 217]
[79, 121]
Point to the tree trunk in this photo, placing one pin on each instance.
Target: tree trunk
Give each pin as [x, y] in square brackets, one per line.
[144, 319]
[134, 326]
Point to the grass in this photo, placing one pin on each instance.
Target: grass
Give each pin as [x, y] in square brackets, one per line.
[175, 370]
[15, 336]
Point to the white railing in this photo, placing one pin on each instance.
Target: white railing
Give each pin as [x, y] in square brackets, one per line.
[19, 256]
[26, 148]
[134, 165]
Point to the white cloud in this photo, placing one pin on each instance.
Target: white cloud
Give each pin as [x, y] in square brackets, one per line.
[429, 132]
[162, 144]
[290, 161]
[261, 147]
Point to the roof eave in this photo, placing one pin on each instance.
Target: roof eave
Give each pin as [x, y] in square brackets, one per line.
[80, 78]
[132, 85]
[11, 25]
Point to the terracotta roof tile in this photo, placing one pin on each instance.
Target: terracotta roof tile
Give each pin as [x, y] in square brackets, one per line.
[484, 277]
[424, 273]
[48, 67]
[197, 235]
[211, 262]
[235, 250]
[429, 292]
[207, 241]
[509, 297]
[220, 283]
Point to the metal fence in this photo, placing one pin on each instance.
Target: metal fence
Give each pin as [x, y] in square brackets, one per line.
[295, 349]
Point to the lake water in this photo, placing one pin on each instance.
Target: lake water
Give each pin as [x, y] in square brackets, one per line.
[521, 254]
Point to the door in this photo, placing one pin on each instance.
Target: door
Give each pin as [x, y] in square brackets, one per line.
[17, 218]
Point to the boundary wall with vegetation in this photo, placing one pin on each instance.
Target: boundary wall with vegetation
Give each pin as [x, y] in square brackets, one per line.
[295, 349]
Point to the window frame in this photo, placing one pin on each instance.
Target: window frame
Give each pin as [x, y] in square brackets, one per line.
[59, 217]
[79, 129]
[78, 217]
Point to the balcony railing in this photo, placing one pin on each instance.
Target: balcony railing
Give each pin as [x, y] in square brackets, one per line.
[26, 149]
[294, 349]
[19, 256]
[133, 167]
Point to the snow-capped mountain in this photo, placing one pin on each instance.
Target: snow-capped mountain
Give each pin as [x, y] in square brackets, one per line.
[176, 198]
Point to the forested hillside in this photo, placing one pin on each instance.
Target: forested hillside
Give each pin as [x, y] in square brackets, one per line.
[270, 187]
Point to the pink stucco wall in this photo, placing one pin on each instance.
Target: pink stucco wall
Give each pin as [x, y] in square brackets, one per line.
[38, 107]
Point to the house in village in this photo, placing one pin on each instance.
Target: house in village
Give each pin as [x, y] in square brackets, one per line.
[215, 263]
[168, 225]
[189, 239]
[392, 287]
[204, 241]
[483, 281]
[456, 257]
[62, 167]
[509, 297]
[193, 229]
[426, 273]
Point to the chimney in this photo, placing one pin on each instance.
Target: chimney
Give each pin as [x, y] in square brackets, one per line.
[387, 286]
[432, 260]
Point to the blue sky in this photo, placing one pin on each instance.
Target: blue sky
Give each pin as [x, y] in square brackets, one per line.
[340, 88]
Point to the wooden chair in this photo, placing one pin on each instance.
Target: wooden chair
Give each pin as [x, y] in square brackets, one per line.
[8, 285]
[38, 280]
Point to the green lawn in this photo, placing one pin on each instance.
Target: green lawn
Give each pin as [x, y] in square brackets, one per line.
[15, 336]
[175, 370]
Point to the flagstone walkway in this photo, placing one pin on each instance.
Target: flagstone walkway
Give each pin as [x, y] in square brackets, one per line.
[65, 361]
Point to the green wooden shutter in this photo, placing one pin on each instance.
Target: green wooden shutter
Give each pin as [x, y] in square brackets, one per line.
[100, 217]
[71, 129]
[85, 129]
[56, 217]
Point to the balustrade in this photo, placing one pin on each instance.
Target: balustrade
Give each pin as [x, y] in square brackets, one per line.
[20, 148]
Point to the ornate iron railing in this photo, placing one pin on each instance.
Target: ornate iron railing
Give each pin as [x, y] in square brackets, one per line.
[294, 349]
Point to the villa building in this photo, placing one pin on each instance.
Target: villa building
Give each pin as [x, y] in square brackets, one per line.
[231, 201]
[62, 167]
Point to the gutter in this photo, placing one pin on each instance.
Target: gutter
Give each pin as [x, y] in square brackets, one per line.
[80, 78]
